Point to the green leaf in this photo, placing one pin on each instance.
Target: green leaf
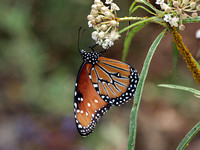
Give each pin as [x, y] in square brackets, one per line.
[138, 94]
[128, 39]
[148, 4]
[176, 55]
[196, 92]
[188, 137]
[144, 8]
[131, 8]
[192, 20]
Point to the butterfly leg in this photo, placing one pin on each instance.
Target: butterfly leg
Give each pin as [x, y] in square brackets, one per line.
[92, 46]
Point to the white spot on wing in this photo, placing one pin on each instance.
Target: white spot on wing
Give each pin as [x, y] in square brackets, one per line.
[95, 85]
[75, 105]
[96, 101]
[79, 126]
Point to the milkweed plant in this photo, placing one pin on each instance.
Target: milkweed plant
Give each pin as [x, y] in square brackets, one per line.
[172, 15]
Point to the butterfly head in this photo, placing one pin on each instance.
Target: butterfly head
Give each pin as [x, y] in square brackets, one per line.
[90, 57]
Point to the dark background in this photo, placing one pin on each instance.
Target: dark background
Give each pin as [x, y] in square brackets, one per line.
[39, 62]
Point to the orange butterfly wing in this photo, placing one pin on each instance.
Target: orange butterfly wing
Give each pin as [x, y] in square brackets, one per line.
[114, 81]
[88, 105]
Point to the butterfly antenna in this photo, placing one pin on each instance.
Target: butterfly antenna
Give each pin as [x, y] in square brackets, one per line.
[79, 39]
[80, 35]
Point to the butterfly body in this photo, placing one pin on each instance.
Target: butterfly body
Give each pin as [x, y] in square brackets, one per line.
[101, 83]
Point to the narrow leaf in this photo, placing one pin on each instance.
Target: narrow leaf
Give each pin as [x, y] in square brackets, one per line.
[176, 55]
[192, 20]
[128, 39]
[148, 4]
[138, 94]
[196, 92]
[131, 8]
[188, 137]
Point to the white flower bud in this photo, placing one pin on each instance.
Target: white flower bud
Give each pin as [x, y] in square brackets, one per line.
[94, 12]
[94, 7]
[198, 8]
[165, 7]
[113, 23]
[185, 2]
[103, 9]
[158, 2]
[108, 14]
[108, 1]
[114, 35]
[98, 19]
[181, 27]
[194, 15]
[174, 22]
[90, 17]
[114, 7]
[93, 22]
[99, 6]
[167, 17]
[89, 24]
[168, 9]
[192, 5]
[184, 16]
[101, 35]
[97, 1]
[101, 16]
[176, 3]
[103, 27]
[107, 43]
[178, 10]
[95, 35]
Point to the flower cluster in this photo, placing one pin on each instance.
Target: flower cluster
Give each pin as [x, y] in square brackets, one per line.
[105, 22]
[178, 10]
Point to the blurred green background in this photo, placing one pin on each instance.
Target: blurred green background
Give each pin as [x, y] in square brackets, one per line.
[39, 62]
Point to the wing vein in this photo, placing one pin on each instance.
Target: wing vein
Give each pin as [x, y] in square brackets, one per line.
[113, 81]
[114, 67]
[100, 80]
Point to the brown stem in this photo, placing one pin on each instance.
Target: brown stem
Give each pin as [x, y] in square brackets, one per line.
[191, 63]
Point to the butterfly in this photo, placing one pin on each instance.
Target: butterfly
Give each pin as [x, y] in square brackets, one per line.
[101, 83]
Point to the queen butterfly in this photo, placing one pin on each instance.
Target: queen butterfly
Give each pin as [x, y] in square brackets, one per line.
[101, 83]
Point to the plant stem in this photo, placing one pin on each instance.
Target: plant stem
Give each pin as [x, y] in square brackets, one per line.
[135, 24]
[131, 18]
[138, 94]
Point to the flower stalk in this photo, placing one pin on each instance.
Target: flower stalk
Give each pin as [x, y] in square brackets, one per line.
[187, 56]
